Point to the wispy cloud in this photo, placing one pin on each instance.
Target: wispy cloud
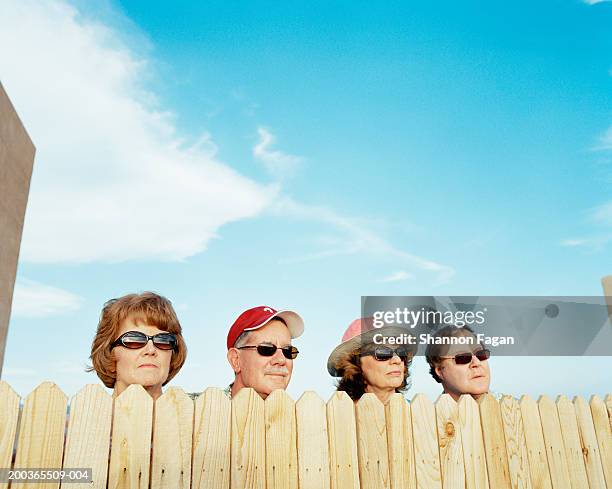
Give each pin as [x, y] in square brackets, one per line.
[601, 217]
[18, 372]
[593, 2]
[113, 179]
[35, 300]
[398, 276]
[278, 164]
[355, 236]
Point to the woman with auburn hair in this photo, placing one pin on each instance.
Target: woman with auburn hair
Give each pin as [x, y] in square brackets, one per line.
[138, 341]
[372, 360]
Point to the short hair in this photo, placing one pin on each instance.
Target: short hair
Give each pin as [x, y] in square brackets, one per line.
[148, 307]
[353, 381]
[433, 352]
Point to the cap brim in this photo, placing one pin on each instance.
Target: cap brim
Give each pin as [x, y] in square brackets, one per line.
[293, 320]
[356, 342]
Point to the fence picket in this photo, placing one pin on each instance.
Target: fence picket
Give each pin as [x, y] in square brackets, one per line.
[281, 446]
[602, 422]
[248, 446]
[494, 442]
[88, 438]
[450, 442]
[9, 415]
[534, 440]
[212, 440]
[588, 443]
[553, 439]
[41, 431]
[571, 442]
[131, 439]
[313, 448]
[343, 464]
[426, 454]
[474, 458]
[172, 441]
[399, 439]
[372, 449]
[518, 462]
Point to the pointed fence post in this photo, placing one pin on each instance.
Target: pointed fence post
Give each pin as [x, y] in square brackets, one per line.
[426, 454]
[450, 442]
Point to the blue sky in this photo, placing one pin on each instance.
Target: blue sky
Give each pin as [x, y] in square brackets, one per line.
[302, 155]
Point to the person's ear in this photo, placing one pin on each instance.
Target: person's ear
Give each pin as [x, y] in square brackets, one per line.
[233, 357]
[439, 372]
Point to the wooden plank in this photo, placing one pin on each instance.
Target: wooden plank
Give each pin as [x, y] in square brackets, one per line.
[41, 431]
[312, 442]
[343, 462]
[450, 442]
[571, 442]
[494, 442]
[602, 422]
[88, 438]
[555, 450]
[212, 440]
[172, 440]
[248, 449]
[402, 473]
[588, 443]
[474, 458]
[518, 461]
[426, 454]
[534, 440]
[9, 415]
[281, 445]
[372, 448]
[131, 439]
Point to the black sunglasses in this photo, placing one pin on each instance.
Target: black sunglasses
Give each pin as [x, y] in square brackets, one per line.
[136, 339]
[384, 353]
[465, 358]
[267, 350]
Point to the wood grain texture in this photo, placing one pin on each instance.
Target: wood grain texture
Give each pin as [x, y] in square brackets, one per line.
[450, 442]
[172, 440]
[372, 443]
[516, 447]
[281, 442]
[89, 432]
[555, 450]
[248, 445]
[536, 447]
[602, 422]
[402, 473]
[312, 442]
[571, 442]
[341, 429]
[131, 439]
[426, 454]
[494, 442]
[9, 416]
[474, 457]
[212, 440]
[588, 444]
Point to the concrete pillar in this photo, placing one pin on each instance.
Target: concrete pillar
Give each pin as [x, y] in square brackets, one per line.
[16, 160]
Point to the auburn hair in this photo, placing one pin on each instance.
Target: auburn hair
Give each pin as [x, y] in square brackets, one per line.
[148, 308]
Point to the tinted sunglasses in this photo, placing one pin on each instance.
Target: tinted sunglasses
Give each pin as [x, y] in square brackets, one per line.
[135, 340]
[384, 353]
[267, 350]
[465, 358]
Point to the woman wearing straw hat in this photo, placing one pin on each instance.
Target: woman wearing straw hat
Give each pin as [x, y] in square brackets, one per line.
[370, 359]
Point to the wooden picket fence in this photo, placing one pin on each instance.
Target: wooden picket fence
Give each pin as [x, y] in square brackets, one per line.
[247, 443]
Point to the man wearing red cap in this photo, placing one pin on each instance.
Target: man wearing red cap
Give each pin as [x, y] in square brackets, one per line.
[259, 349]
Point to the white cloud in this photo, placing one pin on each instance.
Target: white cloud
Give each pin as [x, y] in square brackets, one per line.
[574, 242]
[356, 237]
[35, 300]
[278, 164]
[593, 2]
[113, 180]
[399, 276]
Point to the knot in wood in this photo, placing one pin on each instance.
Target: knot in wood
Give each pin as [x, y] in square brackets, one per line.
[450, 429]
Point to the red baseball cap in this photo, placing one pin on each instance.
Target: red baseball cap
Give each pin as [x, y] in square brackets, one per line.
[259, 316]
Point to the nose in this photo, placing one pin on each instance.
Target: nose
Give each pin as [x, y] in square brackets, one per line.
[149, 348]
[396, 359]
[278, 358]
[475, 362]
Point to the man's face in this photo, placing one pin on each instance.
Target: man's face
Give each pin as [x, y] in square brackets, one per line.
[265, 374]
[472, 378]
